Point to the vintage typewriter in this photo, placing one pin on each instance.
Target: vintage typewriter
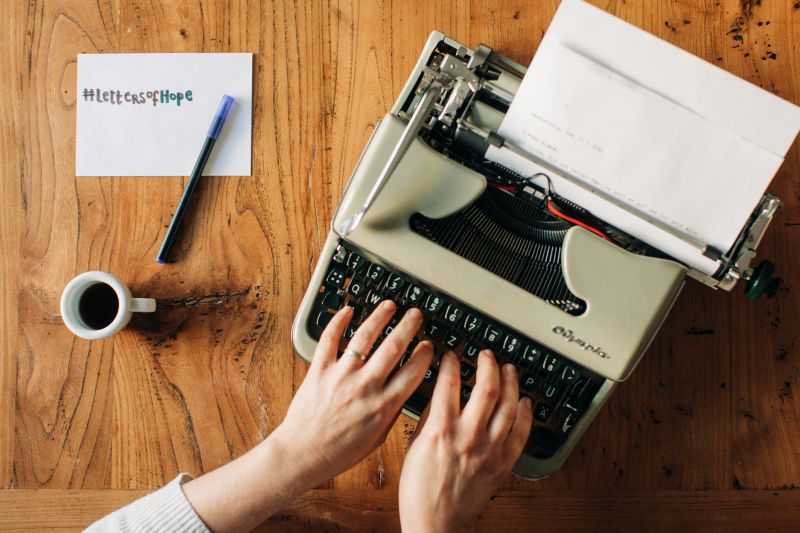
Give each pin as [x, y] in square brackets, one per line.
[493, 260]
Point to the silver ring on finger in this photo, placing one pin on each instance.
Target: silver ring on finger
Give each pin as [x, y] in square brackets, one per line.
[356, 354]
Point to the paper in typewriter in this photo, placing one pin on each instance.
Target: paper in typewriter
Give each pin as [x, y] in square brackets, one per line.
[657, 129]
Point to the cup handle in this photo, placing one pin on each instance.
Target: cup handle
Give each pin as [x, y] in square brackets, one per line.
[143, 305]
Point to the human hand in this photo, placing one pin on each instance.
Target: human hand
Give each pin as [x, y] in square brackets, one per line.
[456, 458]
[344, 409]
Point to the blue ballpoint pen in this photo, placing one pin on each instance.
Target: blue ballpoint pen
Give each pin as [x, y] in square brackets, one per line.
[194, 178]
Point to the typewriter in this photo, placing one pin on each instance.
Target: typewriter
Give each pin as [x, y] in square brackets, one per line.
[496, 261]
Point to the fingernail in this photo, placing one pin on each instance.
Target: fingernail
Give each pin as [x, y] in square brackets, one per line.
[426, 344]
[526, 401]
[451, 353]
[414, 313]
[509, 369]
[487, 352]
[388, 304]
[347, 310]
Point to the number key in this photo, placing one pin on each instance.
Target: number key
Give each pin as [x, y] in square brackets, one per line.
[375, 272]
[395, 283]
[355, 262]
[453, 314]
[492, 334]
[414, 295]
[472, 323]
[433, 303]
[511, 345]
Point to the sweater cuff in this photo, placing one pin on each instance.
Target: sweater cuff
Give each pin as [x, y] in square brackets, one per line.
[164, 510]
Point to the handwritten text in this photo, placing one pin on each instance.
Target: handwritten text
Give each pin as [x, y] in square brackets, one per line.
[117, 97]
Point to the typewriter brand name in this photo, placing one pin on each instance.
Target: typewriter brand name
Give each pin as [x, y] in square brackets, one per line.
[569, 336]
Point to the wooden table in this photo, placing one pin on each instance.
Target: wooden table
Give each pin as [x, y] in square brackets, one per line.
[705, 433]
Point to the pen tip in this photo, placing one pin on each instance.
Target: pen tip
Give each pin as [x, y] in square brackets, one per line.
[160, 261]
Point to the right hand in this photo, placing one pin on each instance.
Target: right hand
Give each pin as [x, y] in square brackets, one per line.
[457, 458]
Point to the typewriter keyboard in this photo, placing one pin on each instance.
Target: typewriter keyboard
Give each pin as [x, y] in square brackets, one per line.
[561, 391]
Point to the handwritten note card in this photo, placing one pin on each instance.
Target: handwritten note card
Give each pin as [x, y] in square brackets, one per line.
[148, 114]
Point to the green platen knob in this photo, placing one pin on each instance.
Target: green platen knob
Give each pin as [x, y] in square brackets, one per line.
[761, 280]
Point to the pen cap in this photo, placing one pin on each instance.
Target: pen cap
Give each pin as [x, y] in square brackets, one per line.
[219, 119]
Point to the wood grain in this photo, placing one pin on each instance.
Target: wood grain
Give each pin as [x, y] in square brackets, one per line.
[712, 408]
[10, 223]
[519, 510]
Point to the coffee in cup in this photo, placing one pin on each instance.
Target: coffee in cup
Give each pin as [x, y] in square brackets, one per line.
[95, 305]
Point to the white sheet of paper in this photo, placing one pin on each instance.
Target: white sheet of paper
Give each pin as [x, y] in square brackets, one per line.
[131, 132]
[658, 157]
[663, 133]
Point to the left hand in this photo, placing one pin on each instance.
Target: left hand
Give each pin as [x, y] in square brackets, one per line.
[344, 409]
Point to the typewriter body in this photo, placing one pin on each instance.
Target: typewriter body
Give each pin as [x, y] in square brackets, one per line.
[429, 222]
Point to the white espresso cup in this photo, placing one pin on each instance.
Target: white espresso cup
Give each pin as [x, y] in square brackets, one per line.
[96, 305]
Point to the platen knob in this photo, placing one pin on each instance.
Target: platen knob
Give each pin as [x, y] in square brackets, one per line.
[761, 281]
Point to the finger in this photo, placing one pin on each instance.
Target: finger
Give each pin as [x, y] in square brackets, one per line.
[520, 431]
[367, 333]
[388, 354]
[325, 354]
[506, 410]
[483, 399]
[445, 402]
[410, 376]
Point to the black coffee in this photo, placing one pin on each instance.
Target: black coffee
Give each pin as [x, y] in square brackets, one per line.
[98, 305]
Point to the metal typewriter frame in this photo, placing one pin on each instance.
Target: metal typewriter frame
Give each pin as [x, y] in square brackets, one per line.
[455, 82]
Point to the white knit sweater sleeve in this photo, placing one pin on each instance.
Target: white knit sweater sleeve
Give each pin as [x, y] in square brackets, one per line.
[166, 509]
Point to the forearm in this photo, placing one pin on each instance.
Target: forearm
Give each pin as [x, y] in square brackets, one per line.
[244, 493]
